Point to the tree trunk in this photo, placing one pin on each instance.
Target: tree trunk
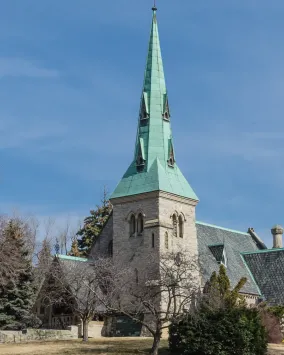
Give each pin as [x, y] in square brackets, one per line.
[85, 330]
[156, 342]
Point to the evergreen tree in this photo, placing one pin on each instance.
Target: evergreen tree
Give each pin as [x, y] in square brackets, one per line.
[218, 291]
[93, 226]
[17, 297]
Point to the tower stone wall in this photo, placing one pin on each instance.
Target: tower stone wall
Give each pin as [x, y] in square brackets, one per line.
[142, 253]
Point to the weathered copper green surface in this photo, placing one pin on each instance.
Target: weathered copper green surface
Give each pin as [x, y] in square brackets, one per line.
[72, 258]
[154, 142]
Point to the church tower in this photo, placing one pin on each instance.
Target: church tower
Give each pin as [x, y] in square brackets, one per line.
[153, 204]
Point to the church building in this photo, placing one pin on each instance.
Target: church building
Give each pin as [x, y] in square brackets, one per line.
[154, 206]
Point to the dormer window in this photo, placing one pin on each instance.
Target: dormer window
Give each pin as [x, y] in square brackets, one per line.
[219, 253]
[171, 160]
[140, 158]
[144, 110]
[166, 110]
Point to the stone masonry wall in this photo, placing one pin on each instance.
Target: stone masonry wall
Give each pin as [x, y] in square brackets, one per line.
[167, 207]
[100, 248]
[157, 208]
[7, 336]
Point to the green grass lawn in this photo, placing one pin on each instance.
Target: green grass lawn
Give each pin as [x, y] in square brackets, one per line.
[118, 346]
[105, 346]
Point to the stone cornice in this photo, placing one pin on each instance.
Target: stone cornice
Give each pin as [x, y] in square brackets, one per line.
[154, 194]
[134, 198]
[176, 198]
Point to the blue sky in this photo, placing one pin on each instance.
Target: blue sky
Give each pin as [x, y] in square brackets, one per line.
[71, 75]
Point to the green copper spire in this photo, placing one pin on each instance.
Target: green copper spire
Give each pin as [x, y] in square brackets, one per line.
[154, 167]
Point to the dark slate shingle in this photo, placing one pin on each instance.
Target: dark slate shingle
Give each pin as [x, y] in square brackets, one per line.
[234, 243]
[267, 267]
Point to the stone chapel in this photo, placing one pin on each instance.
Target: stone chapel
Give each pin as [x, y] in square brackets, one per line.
[154, 206]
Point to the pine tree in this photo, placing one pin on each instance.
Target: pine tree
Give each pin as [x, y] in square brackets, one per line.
[93, 226]
[17, 297]
[219, 292]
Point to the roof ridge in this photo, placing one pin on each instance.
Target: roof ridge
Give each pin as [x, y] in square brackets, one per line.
[262, 251]
[68, 257]
[223, 228]
[251, 274]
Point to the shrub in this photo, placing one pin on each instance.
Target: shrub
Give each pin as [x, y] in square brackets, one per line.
[221, 325]
[237, 331]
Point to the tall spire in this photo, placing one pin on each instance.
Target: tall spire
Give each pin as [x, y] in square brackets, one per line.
[154, 165]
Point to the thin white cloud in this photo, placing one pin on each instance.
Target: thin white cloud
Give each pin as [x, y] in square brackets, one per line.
[17, 134]
[18, 67]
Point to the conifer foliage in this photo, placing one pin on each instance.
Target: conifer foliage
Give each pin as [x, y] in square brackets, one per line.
[93, 226]
[17, 289]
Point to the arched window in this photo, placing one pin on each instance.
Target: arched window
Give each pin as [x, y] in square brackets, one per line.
[140, 224]
[175, 225]
[180, 226]
[132, 226]
[110, 248]
[136, 276]
[166, 240]
[153, 240]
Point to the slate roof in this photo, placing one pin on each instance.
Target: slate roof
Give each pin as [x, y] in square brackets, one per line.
[72, 269]
[234, 242]
[267, 268]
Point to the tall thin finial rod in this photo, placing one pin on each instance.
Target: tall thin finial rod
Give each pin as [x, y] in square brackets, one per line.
[154, 8]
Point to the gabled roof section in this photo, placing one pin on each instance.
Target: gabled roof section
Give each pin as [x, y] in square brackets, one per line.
[218, 239]
[154, 130]
[267, 268]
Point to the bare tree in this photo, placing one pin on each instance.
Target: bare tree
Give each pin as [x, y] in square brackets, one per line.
[154, 298]
[71, 284]
[66, 234]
